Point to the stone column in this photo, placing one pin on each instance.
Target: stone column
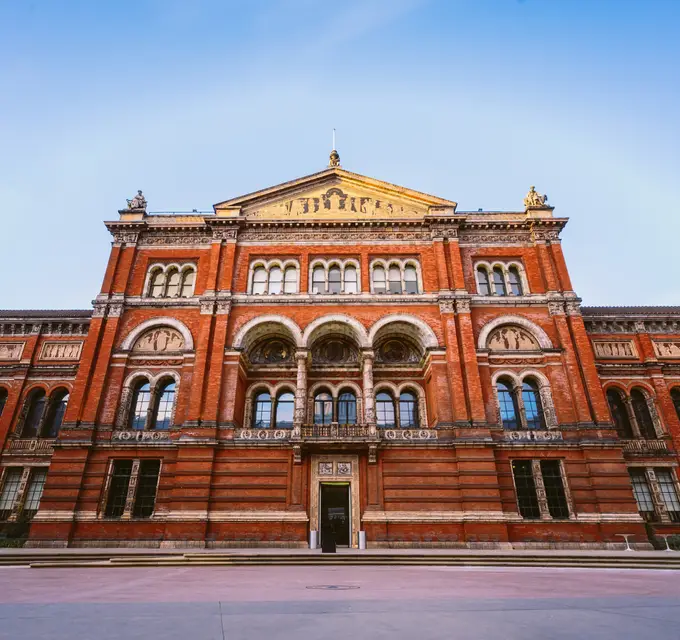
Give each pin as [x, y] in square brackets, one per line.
[541, 494]
[632, 418]
[301, 358]
[657, 498]
[369, 400]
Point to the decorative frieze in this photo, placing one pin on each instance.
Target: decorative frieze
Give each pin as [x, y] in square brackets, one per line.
[61, 350]
[180, 239]
[667, 349]
[11, 350]
[409, 435]
[533, 436]
[511, 338]
[140, 436]
[263, 434]
[616, 349]
[159, 340]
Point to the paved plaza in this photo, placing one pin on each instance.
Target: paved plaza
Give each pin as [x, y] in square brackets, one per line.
[218, 603]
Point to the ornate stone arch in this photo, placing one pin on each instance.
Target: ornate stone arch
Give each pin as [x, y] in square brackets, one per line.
[132, 337]
[346, 325]
[421, 331]
[252, 330]
[539, 334]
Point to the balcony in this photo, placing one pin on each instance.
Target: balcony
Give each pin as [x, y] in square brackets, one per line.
[646, 448]
[31, 446]
[335, 432]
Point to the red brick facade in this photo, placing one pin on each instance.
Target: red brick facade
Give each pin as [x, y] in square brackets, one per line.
[438, 464]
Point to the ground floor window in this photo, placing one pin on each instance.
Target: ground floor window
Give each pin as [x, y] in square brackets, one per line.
[22, 489]
[135, 498]
[656, 493]
[540, 488]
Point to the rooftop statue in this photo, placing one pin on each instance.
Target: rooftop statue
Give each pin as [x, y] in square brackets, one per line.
[138, 203]
[334, 159]
[535, 199]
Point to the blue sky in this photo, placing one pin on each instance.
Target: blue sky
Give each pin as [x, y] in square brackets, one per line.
[197, 101]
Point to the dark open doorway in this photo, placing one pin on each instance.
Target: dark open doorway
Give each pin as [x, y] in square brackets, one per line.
[335, 514]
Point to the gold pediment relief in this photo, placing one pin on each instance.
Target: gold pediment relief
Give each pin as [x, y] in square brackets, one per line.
[336, 203]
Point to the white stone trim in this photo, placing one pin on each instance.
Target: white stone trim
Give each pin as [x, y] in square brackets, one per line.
[163, 321]
[292, 327]
[536, 331]
[359, 332]
[426, 336]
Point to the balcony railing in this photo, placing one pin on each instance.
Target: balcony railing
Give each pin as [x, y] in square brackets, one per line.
[646, 447]
[333, 431]
[32, 446]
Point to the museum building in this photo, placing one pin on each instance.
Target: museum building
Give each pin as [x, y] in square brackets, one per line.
[339, 354]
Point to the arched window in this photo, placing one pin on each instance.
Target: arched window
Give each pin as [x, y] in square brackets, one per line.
[318, 280]
[508, 404]
[347, 408]
[410, 279]
[675, 396]
[619, 414]
[259, 280]
[290, 280]
[36, 408]
[483, 282]
[166, 402]
[499, 282]
[351, 284]
[384, 410]
[157, 284]
[285, 410]
[173, 283]
[189, 277]
[515, 282]
[379, 285]
[262, 414]
[275, 280]
[334, 280]
[408, 410]
[140, 405]
[57, 409]
[644, 417]
[533, 410]
[3, 399]
[395, 279]
[323, 408]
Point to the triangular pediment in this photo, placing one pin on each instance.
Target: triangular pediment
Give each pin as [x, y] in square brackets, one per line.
[334, 194]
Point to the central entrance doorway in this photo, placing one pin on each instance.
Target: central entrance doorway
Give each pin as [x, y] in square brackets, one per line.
[335, 511]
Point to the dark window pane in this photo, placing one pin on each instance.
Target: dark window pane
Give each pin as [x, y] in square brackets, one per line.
[408, 411]
[120, 481]
[36, 407]
[347, 408]
[643, 496]
[506, 400]
[262, 415]
[527, 500]
[483, 281]
[619, 414]
[554, 489]
[55, 416]
[10, 489]
[669, 495]
[515, 282]
[499, 282]
[3, 400]
[147, 482]
[675, 395]
[644, 418]
[285, 410]
[323, 408]
[384, 409]
[532, 406]
[140, 406]
[166, 402]
[34, 492]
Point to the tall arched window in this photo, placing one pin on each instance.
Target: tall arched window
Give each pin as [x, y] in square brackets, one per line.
[384, 410]
[483, 281]
[508, 404]
[410, 279]
[323, 408]
[515, 282]
[619, 414]
[351, 284]
[290, 280]
[3, 399]
[157, 284]
[140, 405]
[395, 279]
[173, 283]
[533, 409]
[379, 284]
[36, 408]
[408, 410]
[334, 280]
[347, 408]
[259, 280]
[55, 417]
[166, 403]
[675, 396]
[275, 280]
[499, 282]
[285, 410]
[262, 411]
[644, 417]
[189, 277]
[318, 280]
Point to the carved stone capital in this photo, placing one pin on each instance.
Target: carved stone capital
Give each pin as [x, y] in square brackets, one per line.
[125, 237]
[224, 234]
[446, 306]
[556, 308]
[207, 307]
[99, 310]
[463, 305]
[223, 307]
[573, 307]
[115, 310]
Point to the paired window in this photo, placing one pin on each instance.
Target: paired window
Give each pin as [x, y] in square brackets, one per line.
[14, 502]
[152, 409]
[642, 481]
[171, 281]
[401, 412]
[631, 415]
[335, 277]
[42, 416]
[275, 412]
[540, 477]
[520, 406]
[500, 279]
[342, 410]
[396, 277]
[274, 278]
[132, 488]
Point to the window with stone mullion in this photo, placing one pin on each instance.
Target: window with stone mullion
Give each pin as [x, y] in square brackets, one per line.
[669, 493]
[525, 487]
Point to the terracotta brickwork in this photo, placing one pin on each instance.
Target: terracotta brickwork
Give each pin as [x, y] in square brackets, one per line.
[187, 409]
